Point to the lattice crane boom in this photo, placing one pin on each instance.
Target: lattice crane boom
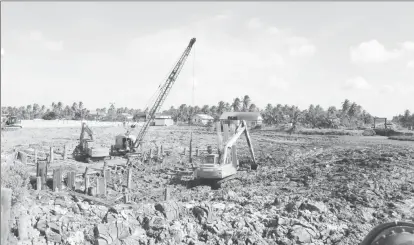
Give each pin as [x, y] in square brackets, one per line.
[164, 90]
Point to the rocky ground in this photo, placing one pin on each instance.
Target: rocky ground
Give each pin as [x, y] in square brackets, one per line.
[307, 190]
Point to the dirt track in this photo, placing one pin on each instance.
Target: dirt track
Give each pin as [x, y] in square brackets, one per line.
[308, 190]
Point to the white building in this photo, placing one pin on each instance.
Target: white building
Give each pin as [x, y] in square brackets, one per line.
[163, 120]
[202, 119]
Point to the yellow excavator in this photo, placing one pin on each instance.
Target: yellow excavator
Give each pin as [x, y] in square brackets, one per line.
[87, 150]
[217, 168]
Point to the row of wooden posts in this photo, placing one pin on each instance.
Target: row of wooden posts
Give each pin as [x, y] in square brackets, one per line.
[22, 156]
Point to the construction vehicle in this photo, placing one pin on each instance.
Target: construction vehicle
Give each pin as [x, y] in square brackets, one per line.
[217, 168]
[128, 143]
[86, 150]
[391, 233]
[10, 123]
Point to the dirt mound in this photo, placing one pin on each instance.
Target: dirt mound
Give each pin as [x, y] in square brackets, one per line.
[369, 132]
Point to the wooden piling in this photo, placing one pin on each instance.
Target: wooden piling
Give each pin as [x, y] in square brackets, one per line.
[23, 226]
[129, 179]
[55, 180]
[65, 152]
[38, 183]
[22, 156]
[51, 156]
[167, 194]
[101, 186]
[197, 152]
[161, 151]
[42, 173]
[35, 156]
[150, 155]
[70, 180]
[87, 184]
[127, 198]
[185, 149]
[6, 195]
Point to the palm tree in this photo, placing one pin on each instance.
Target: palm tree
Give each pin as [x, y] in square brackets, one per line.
[220, 107]
[246, 103]
[59, 107]
[205, 109]
[36, 109]
[345, 106]
[29, 111]
[332, 111]
[236, 104]
[252, 108]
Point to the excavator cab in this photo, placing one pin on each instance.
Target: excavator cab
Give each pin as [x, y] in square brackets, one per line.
[212, 159]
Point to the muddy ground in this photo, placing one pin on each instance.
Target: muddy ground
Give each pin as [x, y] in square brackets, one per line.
[307, 190]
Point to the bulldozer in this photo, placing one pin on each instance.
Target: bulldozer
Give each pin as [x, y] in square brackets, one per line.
[86, 150]
[218, 168]
[10, 123]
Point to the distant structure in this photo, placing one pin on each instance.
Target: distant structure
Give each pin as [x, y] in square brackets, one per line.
[252, 118]
[163, 120]
[202, 119]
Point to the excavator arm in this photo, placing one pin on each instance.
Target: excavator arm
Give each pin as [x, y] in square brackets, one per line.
[86, 129]
[242, 128]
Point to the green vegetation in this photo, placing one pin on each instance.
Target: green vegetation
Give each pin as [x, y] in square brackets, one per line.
[350, 115]
[402, 138]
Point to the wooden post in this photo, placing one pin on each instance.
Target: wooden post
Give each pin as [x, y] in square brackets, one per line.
[38, 183]
[92, 191]
[127, 198]
[22, 156]
[108, 175]
[87, 184]
[6, 195]
[197, 152]
[129, 179]
[101, 186]
[42, 173]
[167, 194]
[71, 180]
[65, 152]
[185, 149]
[23, 225]
[35, 156]
[161, 151]
[55, 180]
[51, 157]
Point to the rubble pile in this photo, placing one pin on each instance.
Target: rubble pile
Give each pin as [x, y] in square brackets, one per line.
[307, 190]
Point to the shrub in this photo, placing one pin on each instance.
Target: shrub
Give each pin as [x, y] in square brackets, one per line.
[50, 116]
[402, 138]
[387, 132]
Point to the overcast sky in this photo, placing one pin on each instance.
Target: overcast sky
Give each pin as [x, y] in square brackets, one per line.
[276, 52]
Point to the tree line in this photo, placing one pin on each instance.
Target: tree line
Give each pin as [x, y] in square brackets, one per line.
[349, 114]
[406, 120]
